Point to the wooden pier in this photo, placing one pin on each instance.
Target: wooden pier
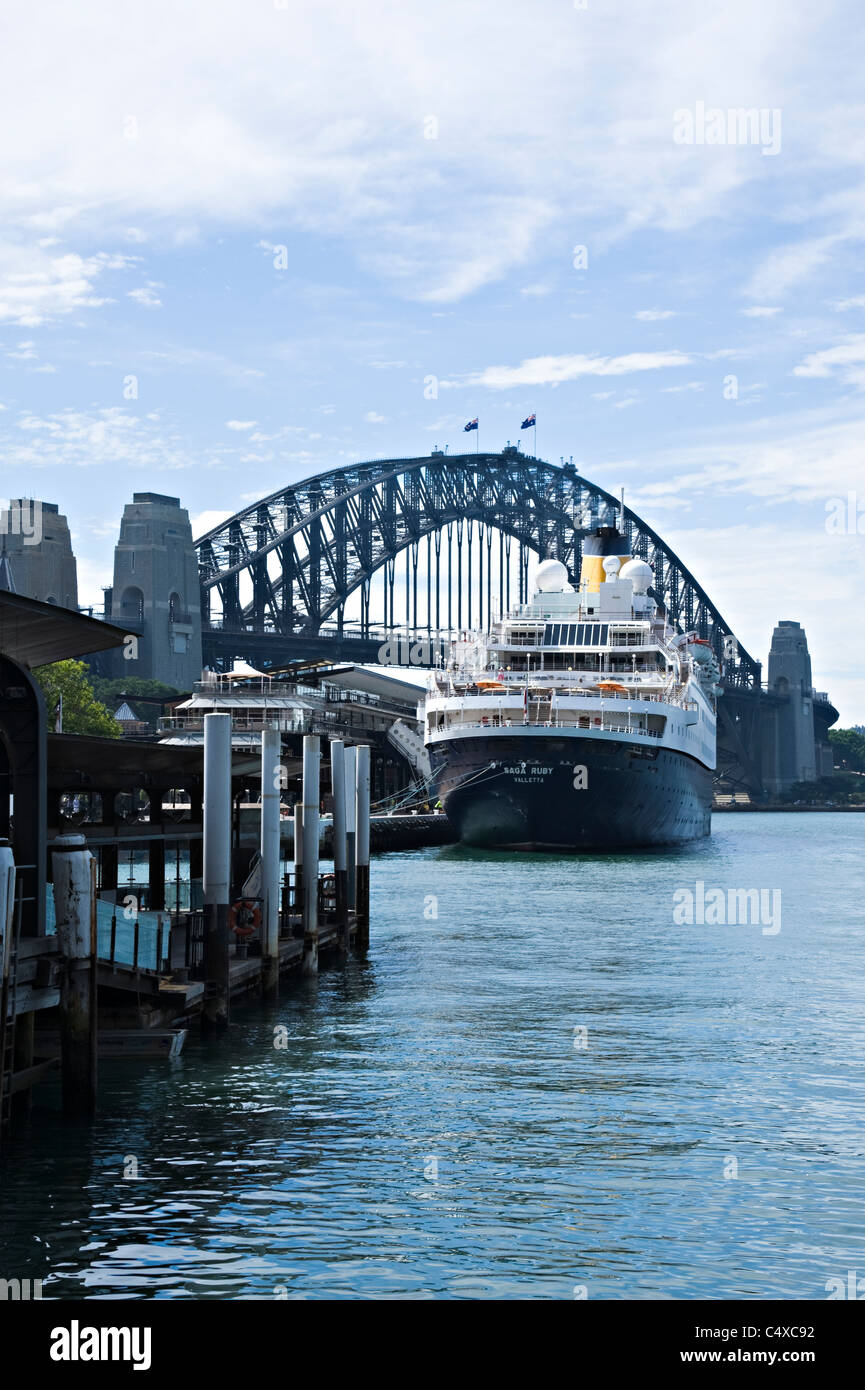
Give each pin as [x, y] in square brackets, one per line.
[69, 1000]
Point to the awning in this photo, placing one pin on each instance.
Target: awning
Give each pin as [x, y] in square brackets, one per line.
[35, 633]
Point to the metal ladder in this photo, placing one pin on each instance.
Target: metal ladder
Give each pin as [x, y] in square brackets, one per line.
[8, 1008]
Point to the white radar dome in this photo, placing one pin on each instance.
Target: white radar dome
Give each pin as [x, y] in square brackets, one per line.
[552, 578]
[639, 573]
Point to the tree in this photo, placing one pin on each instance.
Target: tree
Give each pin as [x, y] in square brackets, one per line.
[82, 712]
[848, 749]
[132, 688]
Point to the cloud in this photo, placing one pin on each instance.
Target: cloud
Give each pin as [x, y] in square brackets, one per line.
[654, 315]
[240, 425]
[146, 298]
[553, 371]
[847, 360]
[372, 417]
[36, 287]
[205, 521]
[786, 266]
[110, 437]
[162, 149]
[24, 352]
[761, 311]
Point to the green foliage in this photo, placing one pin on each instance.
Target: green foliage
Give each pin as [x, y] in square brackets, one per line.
[843, 789]
[113, 692]
[82, 712]
[848, 749]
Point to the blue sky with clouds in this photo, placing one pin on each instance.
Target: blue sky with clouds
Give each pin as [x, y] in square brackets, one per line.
[430, 171]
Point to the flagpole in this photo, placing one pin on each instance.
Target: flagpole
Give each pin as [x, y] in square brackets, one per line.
[535, 433]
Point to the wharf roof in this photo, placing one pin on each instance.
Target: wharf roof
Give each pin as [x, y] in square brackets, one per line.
[238, 699]
[35, 633]
[376, 683]
[84, 760]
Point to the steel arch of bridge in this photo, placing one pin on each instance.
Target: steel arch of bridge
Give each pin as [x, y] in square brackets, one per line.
[288, 564]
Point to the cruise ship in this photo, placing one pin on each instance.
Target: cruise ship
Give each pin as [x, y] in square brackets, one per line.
[582, 721]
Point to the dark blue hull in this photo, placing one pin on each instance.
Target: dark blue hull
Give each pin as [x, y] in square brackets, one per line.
[556, 793]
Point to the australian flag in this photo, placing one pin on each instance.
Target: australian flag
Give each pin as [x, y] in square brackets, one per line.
[472, 425]
[528, 422]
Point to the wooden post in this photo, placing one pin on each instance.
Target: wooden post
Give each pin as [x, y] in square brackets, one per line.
[271, 782]
[74, 909]
[309, 964]
[298, 858]
[350, 813]
[340, 872]
[362, 847]
[217, 868]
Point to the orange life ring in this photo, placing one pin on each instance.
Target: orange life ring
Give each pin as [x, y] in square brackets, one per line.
[251, 917]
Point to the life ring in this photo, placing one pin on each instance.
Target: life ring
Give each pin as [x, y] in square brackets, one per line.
[244, 917]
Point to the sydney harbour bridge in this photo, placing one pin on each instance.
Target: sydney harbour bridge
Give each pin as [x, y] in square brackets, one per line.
[333, 567]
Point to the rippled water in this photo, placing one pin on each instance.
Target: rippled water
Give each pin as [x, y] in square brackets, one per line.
[431, 1130]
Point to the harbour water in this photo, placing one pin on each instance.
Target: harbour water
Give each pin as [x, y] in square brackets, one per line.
[434, 1122]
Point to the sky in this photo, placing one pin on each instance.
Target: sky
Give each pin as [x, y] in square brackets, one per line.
[241, 243]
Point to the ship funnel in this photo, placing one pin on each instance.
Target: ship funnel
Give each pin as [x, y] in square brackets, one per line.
[605, 541]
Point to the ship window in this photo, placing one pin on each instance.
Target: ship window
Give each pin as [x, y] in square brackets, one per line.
[581, 634]
[604, 630]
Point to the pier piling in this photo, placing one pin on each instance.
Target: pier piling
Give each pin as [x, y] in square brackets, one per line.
[350, 813]
[311, 780]
[298, 859]
[216, 884]
[271, 750]
[362, 847]
[340, 873]
[75, 909]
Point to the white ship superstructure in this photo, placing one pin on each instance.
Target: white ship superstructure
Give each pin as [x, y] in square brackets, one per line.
[594, 679]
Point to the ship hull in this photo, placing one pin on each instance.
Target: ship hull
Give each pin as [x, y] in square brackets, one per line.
[554, 793]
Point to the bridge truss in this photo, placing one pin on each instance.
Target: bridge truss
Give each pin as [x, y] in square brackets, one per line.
[319, 559]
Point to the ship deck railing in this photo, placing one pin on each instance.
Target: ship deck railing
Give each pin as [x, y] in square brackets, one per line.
[603, 726]
[580, 693]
